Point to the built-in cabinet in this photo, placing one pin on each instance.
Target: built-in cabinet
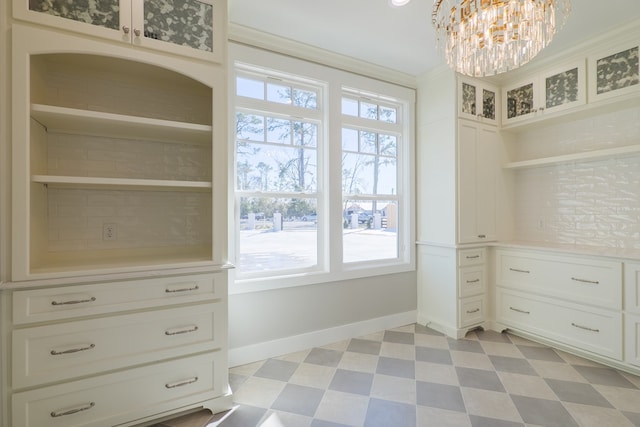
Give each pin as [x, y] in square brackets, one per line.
[478, 101]
[116, 312]
[632, 312]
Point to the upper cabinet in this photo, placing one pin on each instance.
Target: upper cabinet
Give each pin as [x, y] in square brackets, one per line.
[544, 94]
[193, 28]
[478, 101]
[614, 72]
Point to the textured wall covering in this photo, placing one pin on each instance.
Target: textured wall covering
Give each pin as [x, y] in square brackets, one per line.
[593, 203]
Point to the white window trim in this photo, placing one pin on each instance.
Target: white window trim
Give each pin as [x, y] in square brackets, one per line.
[331, 204]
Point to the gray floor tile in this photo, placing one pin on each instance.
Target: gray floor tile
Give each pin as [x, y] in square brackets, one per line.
[513, 365]
[277, 370]
[396, 367]
[364, 346]
[569, 391]
[383, 413]
[421, 329]
[477, 421]
[433, 355]
[352, 382]
[540, 353]
[479, 378]
[492, 336]
[440, 396]
[633, 417]
[236, 380]
[242, 416]
[298, 399]
[604, 376]
[465, 345]
[324, 357]
[321, 423]
[399, 337]
[543, 412]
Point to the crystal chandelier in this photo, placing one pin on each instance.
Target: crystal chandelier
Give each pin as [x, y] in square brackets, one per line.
[487, 37]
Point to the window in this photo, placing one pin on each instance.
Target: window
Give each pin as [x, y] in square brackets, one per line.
[322, 171]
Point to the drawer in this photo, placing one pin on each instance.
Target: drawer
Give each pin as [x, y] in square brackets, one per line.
[583, 280]
[587, 328]
[59, 352]
[471, 281]
[471, 311]
[632, 339]
[66, 302]
[112, 399]
[471, 257]
[632, 287]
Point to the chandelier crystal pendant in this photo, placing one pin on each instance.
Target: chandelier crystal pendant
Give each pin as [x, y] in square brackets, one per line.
[487, 37]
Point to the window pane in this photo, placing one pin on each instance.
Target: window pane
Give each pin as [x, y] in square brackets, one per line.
[278, 93]
[357, 173]
[277, 234]
[368, 110]
[276, 168]
[305, 99]
[250, 127]
[368, 142]
[278, 130]
[350, 107]
[349, 139]
[388, 145]
[388, 114]
[250, 88]
[370, 230]
[305, 134]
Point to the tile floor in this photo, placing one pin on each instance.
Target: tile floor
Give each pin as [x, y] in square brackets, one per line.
[413, 376]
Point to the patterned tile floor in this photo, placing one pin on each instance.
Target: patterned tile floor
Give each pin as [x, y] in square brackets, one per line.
[413, 376]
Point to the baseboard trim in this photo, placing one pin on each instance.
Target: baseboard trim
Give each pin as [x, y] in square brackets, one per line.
[265, 350]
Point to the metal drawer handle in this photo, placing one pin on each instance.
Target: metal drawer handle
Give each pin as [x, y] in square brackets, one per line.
[482, 236]
[182, 383]
[77, 301]
[56, 414]
[517, 270]
[593, 282]
[473, 256]
[473, 281]
[519, 311]
[72, 350]
[473, 311]
[584, 327]
[180, 331]
[194, 288]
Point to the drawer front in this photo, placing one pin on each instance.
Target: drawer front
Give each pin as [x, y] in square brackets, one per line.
[632, 288]
[471, 257]
[69, 350]
[471, 281]
[115, 398]
[632, 339]
[42, 305]
[581, 280]
[471, 311]
[587, 328]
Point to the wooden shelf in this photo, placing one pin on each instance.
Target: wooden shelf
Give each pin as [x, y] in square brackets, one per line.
[71, 120]
[587, 155]
[121, 183]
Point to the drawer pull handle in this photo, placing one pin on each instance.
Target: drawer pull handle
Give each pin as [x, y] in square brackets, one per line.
[472, 256]
[56, 414]
[481, 236]
[519, 311]
[473, 281]
[76, 301]
[180, 331]
[593, 282]
[517, 270]
[584, 327]
[193, 288]
[72, 350]
[473, 311]
[182, 383]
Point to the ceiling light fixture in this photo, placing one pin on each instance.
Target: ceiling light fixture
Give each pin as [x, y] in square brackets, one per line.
[398, 3]
[487, 37]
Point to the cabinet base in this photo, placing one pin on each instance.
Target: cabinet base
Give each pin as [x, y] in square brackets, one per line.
[448, 330]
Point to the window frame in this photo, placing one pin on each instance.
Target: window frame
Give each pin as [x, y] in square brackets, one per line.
[336, 84]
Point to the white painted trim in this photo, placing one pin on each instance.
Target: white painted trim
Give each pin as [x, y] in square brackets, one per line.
[265, 350]
[251, 37]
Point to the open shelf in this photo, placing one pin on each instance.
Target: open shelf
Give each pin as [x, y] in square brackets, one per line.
[71, 120]
[120, 183]
[566, 158]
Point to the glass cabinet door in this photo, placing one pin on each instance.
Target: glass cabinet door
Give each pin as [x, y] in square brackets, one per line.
[105, 13]
[477, 100]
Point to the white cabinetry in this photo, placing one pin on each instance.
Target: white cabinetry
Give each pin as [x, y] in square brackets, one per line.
[632, 313]
[570, 300]
[478, 101]
[477, 170]
[193, 28]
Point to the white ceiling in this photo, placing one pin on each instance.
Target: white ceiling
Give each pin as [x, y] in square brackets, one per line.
[400, 38]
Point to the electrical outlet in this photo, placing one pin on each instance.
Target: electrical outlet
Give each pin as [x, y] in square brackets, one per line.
[109, 231]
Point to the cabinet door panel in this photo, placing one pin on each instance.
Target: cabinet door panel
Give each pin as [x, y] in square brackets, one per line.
[467, 172]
